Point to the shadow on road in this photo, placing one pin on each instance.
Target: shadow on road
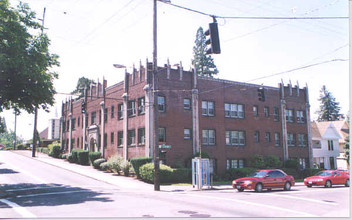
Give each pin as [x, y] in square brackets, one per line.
[27, 195]
[7, 171]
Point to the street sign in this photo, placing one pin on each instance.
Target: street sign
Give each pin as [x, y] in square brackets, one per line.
[165, 146]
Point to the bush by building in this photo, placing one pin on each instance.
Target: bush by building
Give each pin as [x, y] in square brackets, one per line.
[138, 162]
[272, 161]
[115, 163]
[83, 157]
[257, 161]
[167, 174]
[97, 162]
[54, 150]
[93, 156]
[292, 164]
[104, 166]
[235, 173]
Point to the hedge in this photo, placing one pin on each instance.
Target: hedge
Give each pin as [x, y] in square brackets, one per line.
[83, 157]
[54, 150]
[167, 174]
[97, 162]
[94, 156]
[235, 173]
[104, 166]
[138, 162]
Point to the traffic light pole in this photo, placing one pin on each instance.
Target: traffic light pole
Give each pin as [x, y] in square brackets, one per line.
[155, 87]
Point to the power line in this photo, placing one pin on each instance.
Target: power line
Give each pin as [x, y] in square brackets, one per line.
[254, 18]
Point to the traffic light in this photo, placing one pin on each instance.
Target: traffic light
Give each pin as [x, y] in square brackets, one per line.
[261, 95]
[213, 40]
[83, 106]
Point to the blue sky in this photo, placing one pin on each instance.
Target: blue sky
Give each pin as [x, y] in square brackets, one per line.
[91, 35]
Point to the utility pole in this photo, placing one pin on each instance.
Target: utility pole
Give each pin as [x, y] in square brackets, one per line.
[36, 108]
[155, 88]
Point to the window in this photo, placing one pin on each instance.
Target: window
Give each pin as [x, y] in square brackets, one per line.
[234, 163]
[277, 139]
[68, 125]
[267, 137]
[162, 135]
[86, 120]
[300, 116]
[266, 112]
[120, 138]
[187, 104]
[302, 163]
[141, 136]
[319, 161]
[99, 116]
[208, 137]
[234, 111]
[289, 115]
[236, 138]
[276, 114]
[105, 139]
[256, 136]
[112, 111]
[208, 108]
[73, 124]
[187, 133]
[302, 140]
[131, 139]
[78, 121]
[106, 115]
[161, 104]
[78, 142]
[330, 145]
[291, 139]
[131, 108]
[120, 111]
[141, 106]
[112, 137]
[255, 111]
[73, 143]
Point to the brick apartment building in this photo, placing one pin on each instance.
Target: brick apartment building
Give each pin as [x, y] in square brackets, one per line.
[224, 118]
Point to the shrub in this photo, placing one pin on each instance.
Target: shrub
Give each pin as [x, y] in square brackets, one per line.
[167, 174]
[70, 158]
[115, 163]
[93, 156]
[126, 166]
[54, 150]
[257, 161]
[272, 161]
[97, 162]
[104, 166]
[138, 162]
[204, 154]
[291, 164]
[307, 172]
[20, 147]
[235, 173]
[63, 156]
[83, 157]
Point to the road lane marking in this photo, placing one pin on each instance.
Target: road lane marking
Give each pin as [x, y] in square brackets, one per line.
[19, 209]
[52, 193]
[256, 204]
[305, 199]
[24, 189]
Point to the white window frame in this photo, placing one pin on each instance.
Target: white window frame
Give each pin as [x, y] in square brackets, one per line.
[208, 108]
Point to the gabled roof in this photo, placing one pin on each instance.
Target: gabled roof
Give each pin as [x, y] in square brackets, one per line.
[343, 128]
[324, 130]
[44, 134]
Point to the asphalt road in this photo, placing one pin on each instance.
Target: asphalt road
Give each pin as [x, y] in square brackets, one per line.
[33, 189]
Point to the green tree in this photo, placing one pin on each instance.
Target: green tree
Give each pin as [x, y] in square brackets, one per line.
[329, 107]
[82, 83]
[3, 127]
[203, 62]
[26, 79]
[8, 137]
[347, 149]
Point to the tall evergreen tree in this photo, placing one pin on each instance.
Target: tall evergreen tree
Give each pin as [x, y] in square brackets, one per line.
[329, 107]
[82, 83]
[347, 149]
[203, 62]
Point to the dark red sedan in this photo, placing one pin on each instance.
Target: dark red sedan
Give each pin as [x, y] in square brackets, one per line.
[328, 178]
[264, 179]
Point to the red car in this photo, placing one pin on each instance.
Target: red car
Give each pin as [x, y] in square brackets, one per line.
[328, 178]
[264, 179]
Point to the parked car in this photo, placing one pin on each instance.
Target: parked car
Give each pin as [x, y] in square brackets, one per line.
[264, 179]
[328, 178]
